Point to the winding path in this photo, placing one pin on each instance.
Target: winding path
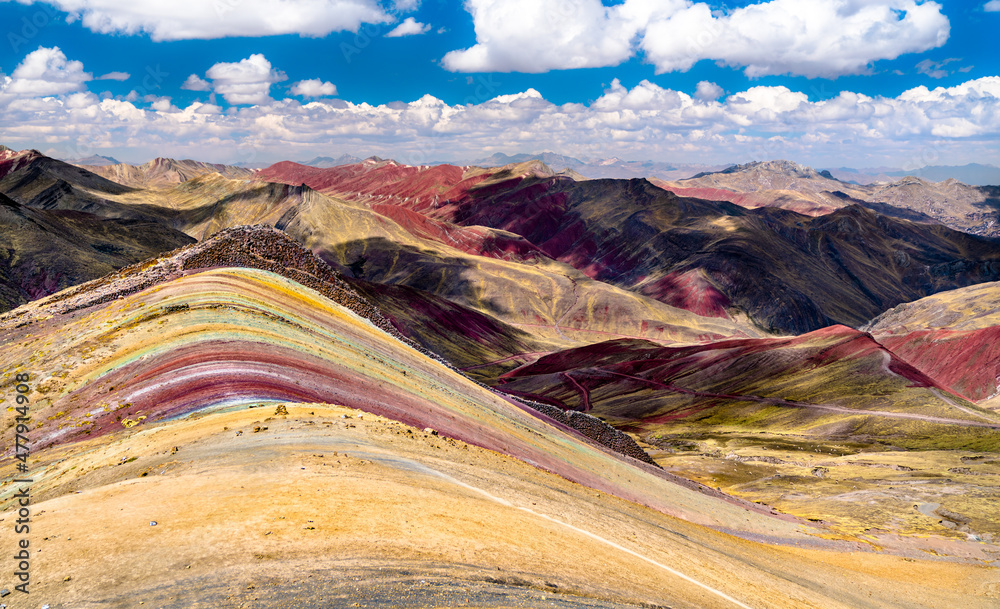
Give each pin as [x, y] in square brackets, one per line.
[593, 536]
[827, 407]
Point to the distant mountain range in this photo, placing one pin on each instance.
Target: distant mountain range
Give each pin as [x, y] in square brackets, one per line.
[94, 160]
[602, 168]
[974, 174]
[162, 171]
[788, 185]
[326, 161]
[623, 234]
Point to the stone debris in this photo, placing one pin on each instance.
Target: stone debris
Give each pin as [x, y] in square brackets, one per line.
[595, 429]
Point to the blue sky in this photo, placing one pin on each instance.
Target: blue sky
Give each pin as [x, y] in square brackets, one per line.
[830, 83]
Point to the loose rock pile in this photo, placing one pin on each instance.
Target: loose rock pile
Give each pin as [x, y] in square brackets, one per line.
[595, 429]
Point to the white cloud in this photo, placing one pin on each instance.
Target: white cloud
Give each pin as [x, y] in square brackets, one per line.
[208, 19]
[708, 91]
[952, 125]
[196, 83]
[773, 100]
[163, 105]
[542, 35]
[247, 81]
[806, 37]
[120, 76]
[992, 6]
[405, 6]
[409, 27]
[46, 71]
[934, 69]
[314, 88]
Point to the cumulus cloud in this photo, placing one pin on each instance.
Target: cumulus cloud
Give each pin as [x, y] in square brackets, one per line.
[314, 88]
[992, 6]
[542, 35]
[409, 27]
[813, 38]
[247, 81]
[200, 19]
[405, 6]
[956, 124]
[46, 71]
[119, 76]
[807, 37]
[196, 83]
[708, 91]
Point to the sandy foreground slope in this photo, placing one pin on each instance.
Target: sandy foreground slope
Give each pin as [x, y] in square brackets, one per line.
[317, 510]
[164, 406]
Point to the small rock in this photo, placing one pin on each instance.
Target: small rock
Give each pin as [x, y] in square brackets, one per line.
[4, 592]
[152, 523]
[433, 432]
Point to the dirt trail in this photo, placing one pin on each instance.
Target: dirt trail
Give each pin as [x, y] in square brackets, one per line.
[576, 299]
[947, 400]
[593, 536]
[505, 359]
[584, 394]
[827, 407]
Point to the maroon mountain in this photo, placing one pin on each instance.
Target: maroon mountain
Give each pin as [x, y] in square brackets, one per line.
[788, 272]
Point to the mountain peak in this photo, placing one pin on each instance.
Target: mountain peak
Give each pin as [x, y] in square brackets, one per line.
[94, 160]
[325, 162]
[780, 166]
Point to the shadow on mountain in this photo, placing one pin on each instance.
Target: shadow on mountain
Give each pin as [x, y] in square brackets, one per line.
[387, 262]
[48, 250]
[789, 272]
